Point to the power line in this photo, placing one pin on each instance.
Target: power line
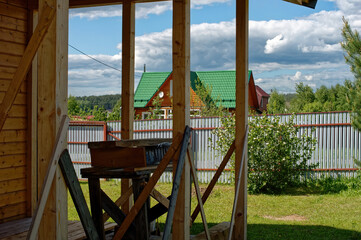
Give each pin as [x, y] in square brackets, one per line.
[95, 59]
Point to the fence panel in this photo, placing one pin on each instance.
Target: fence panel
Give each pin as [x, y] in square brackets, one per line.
[337, 142]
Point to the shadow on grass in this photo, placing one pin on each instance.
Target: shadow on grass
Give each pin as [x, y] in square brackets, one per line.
[288, 232]
[309, 232]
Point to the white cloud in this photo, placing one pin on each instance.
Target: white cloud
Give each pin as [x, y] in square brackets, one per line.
[143, 10]
[307, 47]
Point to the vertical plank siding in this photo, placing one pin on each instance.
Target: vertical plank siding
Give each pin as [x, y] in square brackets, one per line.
[13, 39]
[338, 143]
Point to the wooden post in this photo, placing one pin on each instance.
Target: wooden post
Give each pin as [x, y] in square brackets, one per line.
[240, 229]
[52, 104]
[128, 38]
[181, 107]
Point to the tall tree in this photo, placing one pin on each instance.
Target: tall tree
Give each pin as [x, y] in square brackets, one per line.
[277, 103]
[304, 96]
[352, 46]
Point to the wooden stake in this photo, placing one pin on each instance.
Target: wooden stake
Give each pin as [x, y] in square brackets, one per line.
[214, 180]
[198, 193]
[25, 62]
[148, 188]
[58, 148]
[120, 201]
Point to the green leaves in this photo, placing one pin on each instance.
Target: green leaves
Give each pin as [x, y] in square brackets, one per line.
[277, 155]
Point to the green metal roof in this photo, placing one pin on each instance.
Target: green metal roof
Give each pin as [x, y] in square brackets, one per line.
[222, 83]
[148, 85]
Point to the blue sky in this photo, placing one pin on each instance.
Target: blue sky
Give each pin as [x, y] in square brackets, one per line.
[288, 43]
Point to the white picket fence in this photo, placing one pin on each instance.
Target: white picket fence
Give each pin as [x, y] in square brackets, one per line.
[338, 142]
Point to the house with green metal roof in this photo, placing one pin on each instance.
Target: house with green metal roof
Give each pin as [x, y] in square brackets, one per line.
[222, 84]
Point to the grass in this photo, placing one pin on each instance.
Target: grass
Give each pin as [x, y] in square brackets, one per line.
[299, 214]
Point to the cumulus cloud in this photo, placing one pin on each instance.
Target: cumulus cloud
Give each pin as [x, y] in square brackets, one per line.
[306, 48]
[143, 10]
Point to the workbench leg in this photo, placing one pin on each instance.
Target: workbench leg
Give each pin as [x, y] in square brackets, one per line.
[95, 203]
[141, 220]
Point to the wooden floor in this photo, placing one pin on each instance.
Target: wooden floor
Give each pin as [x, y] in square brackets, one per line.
[18, 229]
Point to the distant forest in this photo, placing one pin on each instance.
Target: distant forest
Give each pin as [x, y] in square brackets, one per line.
[106, 101]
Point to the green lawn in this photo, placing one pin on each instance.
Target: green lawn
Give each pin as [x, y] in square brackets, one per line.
[300, 215]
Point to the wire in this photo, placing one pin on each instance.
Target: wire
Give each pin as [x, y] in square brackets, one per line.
[95, 59]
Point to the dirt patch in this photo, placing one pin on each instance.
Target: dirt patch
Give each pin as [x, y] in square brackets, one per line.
[202, 190]
[293, 217]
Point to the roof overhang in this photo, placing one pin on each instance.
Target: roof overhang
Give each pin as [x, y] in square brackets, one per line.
[306, 3]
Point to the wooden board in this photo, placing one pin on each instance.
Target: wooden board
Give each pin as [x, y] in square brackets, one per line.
[15, 124]
[12, 198]
[12, 148]
[12, 185]
[12, 161]
[13, 11]
[76, 193]
[9, 60]
[14, 24]
[11, 36]
[118, 157]
[12, 48]
[12, 136]
[12, 210]
[14, 227]
[20, 98]
[128, 143]
[7, 174]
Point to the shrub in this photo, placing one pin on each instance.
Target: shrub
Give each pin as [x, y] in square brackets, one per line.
[277, 157]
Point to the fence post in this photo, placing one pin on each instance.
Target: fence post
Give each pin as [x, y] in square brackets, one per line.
[105, 130]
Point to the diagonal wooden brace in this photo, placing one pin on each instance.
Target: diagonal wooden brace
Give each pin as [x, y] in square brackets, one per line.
[35, 41]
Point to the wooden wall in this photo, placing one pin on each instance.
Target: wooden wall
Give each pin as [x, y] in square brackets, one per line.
[13, 145]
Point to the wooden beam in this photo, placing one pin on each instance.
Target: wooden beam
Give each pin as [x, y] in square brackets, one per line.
[160, 198]
[76, 193]
[176, 185]
[53, 163]
[128, 49]
[238, 183]
[198, 193]
[52, 104]
[240, 229]
[25, 62]
[148, 188]
[120, 201]
[214, 180]
[181, 107]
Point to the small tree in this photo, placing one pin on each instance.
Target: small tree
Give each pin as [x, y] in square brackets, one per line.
[352, 46]
[115, 114]
[156, 109]
[276, 155]
[277, 103]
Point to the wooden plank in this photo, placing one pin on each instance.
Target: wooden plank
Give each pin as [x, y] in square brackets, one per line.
[5, 83]
[76, 193]
[148, 188]
[19, 99]
[118, 157]
[25, 63]
[12, 198]
[141, 219]
[12, 161]
[120, 201]
[176, 185]
[12, 48]
[238, 183]
[214, 180]
[60, 139]
[18, 111]
[7, 174]
[11, 36]
[13, 11]
[14, 227]
[15, 124]
[12, 185]
[12, 148]
[181, 106]
[157, 211]
[18, 3]
[95, 203]
[128, 49]
[12, 210]
[240, 230]
[14, 24]
[198, 193]
[160, 198]
[94, 3]
[9, 60]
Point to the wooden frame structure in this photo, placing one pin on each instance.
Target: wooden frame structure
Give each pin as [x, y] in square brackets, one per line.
[33, 97]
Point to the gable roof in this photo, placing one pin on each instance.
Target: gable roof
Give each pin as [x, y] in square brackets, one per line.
[148, 85]
[223, 86]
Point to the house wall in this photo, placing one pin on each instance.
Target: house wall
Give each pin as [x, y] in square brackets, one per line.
[13, 145]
